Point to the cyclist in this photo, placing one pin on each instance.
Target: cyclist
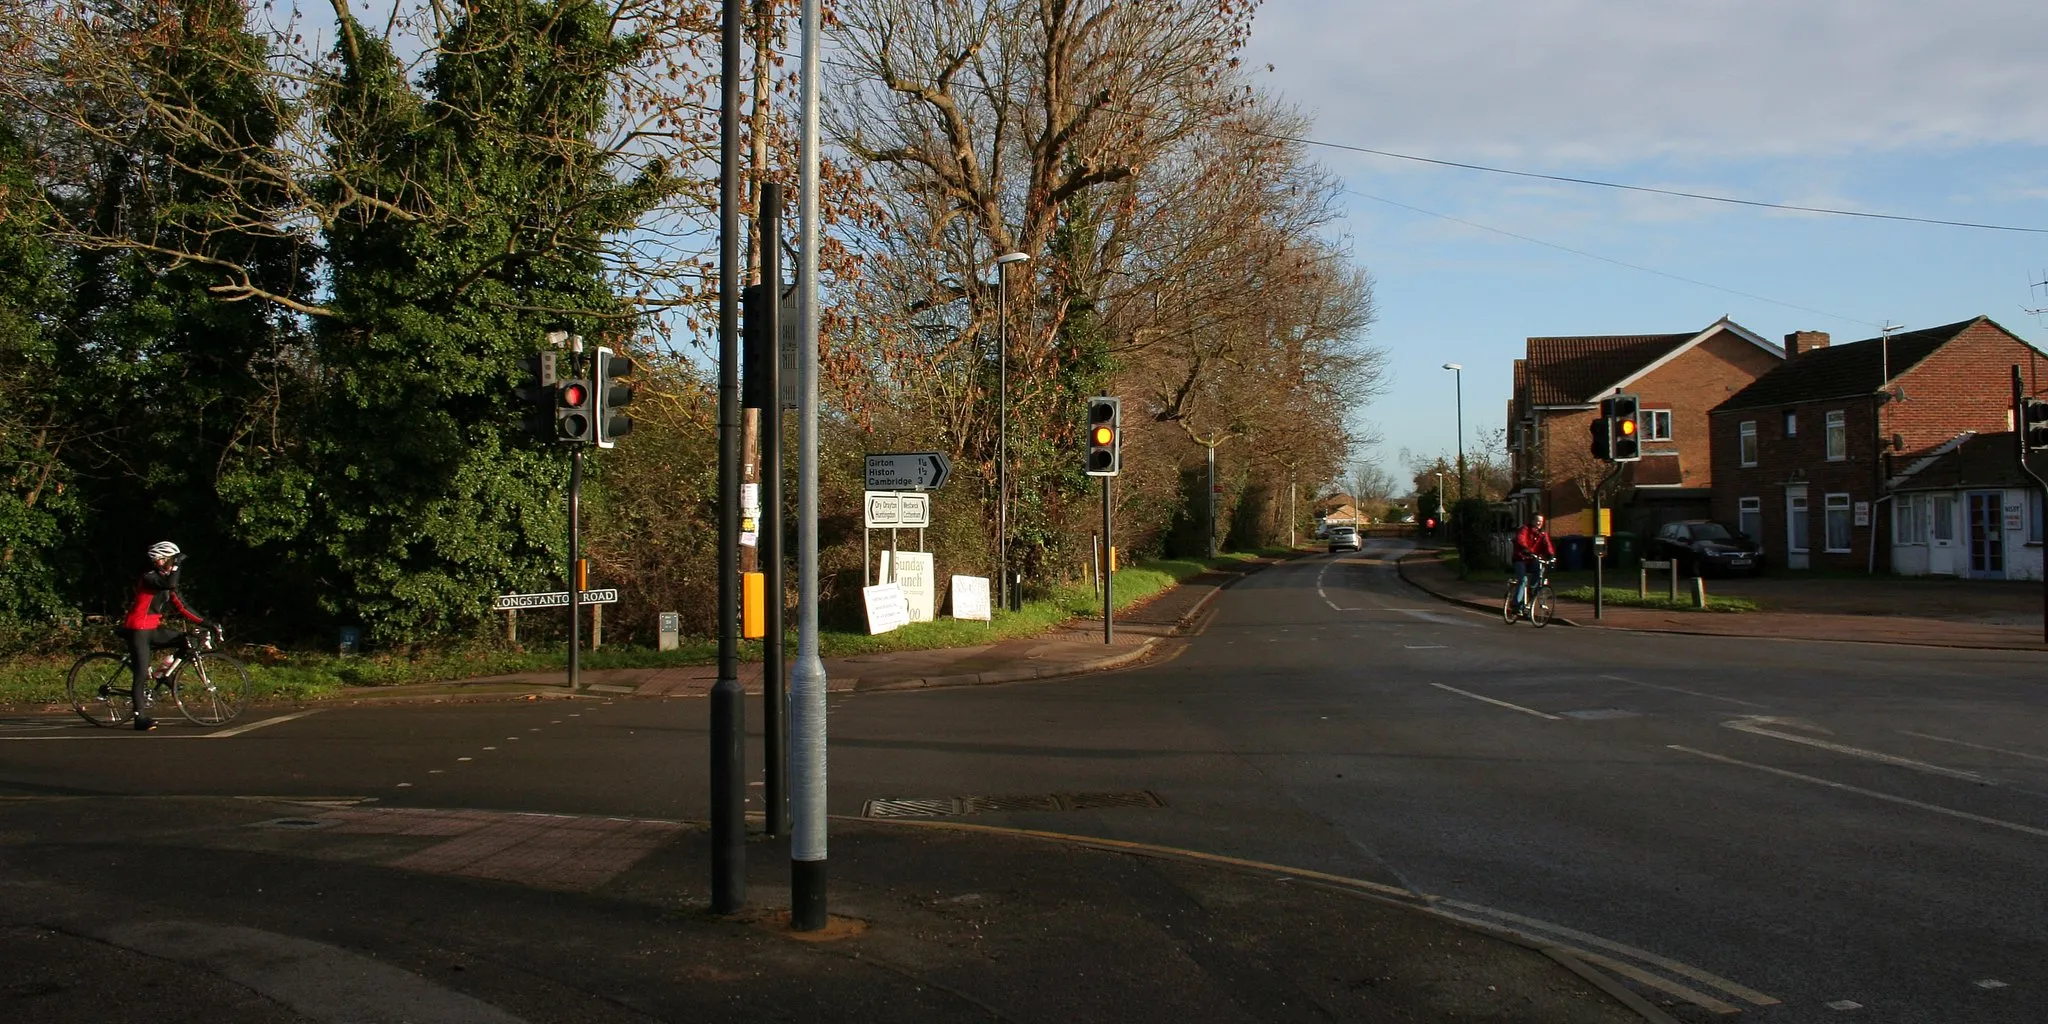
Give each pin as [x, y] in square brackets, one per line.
[155, 594]
[1532, 542]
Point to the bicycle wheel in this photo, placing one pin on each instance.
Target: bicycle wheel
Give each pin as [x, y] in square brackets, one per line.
[101, 690]
[1540, 608]
[211, 689]
[1507, 606]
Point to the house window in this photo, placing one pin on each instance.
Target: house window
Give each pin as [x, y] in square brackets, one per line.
[1749, 442]
[1791, 424]
[1838, 435]
[1942, 520]
[1797, 511]
[1838, 522]
[1749, 517]
[1656, 424]
[1909, 519]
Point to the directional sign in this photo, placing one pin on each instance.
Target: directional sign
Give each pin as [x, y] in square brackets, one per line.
[892, 510]
[558, 599]
[909, 471]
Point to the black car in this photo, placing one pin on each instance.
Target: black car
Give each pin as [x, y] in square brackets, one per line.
[1702, 547]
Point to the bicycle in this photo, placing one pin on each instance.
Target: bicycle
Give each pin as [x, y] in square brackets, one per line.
[208, 686]
[1539, 607]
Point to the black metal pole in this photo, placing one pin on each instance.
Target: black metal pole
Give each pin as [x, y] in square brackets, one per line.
[1108, 563]
[575, 556]
[1599, 550]
[2019, 440]
[774, 694]
[728, 699]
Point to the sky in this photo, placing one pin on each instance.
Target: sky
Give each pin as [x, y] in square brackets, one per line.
[1899, 107]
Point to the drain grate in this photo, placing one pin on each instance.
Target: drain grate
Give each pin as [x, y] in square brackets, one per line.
[955, 806]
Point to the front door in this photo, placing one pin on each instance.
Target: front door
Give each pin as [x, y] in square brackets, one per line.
[1796, 526]
[1984, 515]
[1941, 535]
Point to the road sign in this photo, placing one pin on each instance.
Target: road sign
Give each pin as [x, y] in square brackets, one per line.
[558, 599]
[890, 510]
[909, 471]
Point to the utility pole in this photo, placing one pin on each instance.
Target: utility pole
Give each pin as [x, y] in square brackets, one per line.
[807, 682]
[728, 698]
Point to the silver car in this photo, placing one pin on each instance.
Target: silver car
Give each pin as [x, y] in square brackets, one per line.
[1345, 538]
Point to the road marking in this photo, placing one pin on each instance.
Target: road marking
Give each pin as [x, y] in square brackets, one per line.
[1735, 989]
[1755, 727]
[212, 734]
[1988, 983]
[1974, 746]
[1683, 690]
[1874, 794]
[266, 723]
[1425, 647]
[1502, 703]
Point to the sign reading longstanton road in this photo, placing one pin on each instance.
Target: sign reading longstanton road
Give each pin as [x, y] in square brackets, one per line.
[558, 599]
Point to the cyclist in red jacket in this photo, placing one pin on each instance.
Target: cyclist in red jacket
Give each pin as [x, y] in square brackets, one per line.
[1531, 543]
[155, 594]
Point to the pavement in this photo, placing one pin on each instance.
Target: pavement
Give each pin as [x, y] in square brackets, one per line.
[257, 909]
[1883, 610]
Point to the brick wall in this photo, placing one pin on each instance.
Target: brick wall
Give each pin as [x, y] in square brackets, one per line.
[1802, 458]
[1965, 385]
[1691, 386]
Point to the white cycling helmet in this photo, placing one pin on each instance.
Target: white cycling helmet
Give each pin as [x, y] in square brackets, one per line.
[161, 550]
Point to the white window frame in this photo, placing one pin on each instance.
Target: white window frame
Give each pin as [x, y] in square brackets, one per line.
[1792, 423]
[1746, 446]
[1831, 505]
[1746, 508]
[1799, 534]
[1838, 435]
[1651, 420]
[1940, 526]
[1909, 520]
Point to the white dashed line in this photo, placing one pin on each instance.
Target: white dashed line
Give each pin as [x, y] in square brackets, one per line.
[1756, 727]
[1974, 746]
[1500, 703]
[1873, 794]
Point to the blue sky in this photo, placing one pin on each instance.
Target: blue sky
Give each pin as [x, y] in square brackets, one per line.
[1899, 107]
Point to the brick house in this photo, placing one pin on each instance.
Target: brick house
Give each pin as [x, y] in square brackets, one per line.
[1806, 457]
[1680, 378]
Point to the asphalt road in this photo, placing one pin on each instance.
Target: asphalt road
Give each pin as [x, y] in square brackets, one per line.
[1796, 831]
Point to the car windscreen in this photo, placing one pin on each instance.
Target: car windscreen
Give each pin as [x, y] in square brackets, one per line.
[1711, 531]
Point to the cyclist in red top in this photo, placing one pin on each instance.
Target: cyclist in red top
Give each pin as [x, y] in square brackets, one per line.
[155, 594]
[1531, 543]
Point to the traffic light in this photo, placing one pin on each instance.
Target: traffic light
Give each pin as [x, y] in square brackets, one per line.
[537, 395]
[573, 420]
[2033, 425]
[1105, 436]
[611, 395]
[1602, 444]
[1624, 430]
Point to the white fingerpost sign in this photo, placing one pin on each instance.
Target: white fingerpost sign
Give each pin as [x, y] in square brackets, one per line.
[970, 597]
[886, 610]
[558, 599]
[896, 510]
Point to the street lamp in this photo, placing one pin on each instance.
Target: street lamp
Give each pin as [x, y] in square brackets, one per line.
[1004, 596]
[1458, 371]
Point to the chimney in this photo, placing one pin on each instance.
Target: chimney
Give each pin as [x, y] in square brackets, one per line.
[1799, 342]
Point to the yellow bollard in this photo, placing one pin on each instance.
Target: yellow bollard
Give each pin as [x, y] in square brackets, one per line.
[753, 606]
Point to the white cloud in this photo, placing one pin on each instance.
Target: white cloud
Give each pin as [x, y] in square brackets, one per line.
[1610, 82]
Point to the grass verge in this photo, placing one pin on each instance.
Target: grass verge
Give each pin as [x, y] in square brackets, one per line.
[1660, 602]
[33, 681]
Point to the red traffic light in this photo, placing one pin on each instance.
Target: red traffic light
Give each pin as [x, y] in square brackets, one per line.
[573, 395]
[1429, 523]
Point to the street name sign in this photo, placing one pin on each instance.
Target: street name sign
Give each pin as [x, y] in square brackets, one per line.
[558, 599]
[909, 471]
[897, 510]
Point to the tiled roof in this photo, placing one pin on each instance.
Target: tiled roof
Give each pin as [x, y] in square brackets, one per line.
[1574, 371]
[1839, 371]
[1986, 460]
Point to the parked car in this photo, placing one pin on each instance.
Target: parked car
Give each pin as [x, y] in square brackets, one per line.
[1702, 547]
[1345, 538]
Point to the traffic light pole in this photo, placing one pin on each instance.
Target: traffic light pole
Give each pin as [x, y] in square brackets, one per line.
[1108, 563]
[1599, 545]
[2019, 440]
[728, 698]
[774, 697]
[575, 587]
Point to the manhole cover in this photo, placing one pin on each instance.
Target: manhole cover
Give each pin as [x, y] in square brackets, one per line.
[300, 824]
[1599, 713]
[952, 806]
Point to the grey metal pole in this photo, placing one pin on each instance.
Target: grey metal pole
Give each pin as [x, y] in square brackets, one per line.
[1108, 554]
[774, 697]
[728, 698]
[1459, 375]
[807, 682]
[575, 555]
[1212, 501]
[1003, 434]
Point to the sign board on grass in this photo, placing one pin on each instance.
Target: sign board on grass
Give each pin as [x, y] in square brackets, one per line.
[892, 510]
[970, 597]
[886, 610]
[558, 599]
[912, 570]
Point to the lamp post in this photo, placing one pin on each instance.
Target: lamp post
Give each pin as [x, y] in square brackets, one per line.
[1458, 372]
[1003, 595]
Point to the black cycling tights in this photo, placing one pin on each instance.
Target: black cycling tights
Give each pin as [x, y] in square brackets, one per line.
[140, 643]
